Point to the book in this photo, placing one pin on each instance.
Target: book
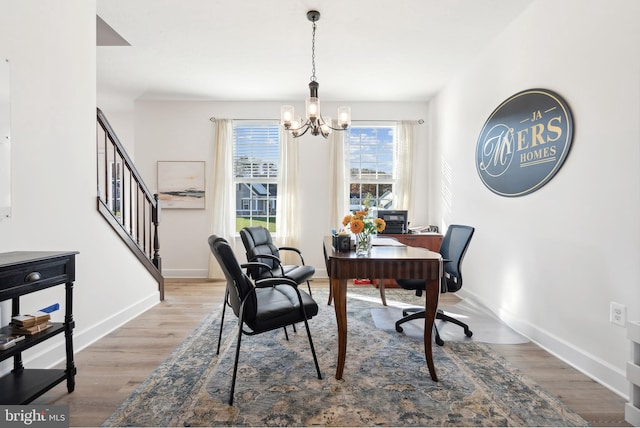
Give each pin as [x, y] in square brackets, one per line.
[29, 320]
[29, 331]
[6, 342]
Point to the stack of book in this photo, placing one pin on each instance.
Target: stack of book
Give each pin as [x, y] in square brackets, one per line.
[30, 324]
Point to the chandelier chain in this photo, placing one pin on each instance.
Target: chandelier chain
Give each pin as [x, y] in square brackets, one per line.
[313, 53]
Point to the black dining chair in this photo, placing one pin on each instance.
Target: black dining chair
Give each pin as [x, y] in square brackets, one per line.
[452, 249]
[259, 247]
[260, 306]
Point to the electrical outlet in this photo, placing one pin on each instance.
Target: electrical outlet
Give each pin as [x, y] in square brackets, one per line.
[618, 314]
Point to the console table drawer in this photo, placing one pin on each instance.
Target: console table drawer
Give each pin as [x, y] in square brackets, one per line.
[26, 272]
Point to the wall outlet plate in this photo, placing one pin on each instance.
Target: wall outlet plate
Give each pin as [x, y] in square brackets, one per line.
[618, 314]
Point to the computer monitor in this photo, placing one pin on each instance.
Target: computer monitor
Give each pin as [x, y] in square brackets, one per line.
[396, 221]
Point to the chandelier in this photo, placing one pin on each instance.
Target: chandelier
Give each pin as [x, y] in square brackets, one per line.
[314, 123]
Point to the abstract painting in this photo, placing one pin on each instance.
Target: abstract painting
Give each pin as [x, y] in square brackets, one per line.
[181, 184]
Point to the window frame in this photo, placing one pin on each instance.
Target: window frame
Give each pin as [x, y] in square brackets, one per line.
[269, 181]
[392, 180]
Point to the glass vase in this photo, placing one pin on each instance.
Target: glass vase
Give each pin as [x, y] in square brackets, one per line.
[363, 245]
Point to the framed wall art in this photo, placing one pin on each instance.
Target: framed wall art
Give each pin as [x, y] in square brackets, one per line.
[181, 184]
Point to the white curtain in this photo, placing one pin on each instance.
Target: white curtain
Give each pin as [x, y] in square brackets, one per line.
[404, 162]
[287, 221]
[222, 200]
[339, 171]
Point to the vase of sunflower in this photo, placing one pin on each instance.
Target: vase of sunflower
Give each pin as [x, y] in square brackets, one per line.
[363, 227]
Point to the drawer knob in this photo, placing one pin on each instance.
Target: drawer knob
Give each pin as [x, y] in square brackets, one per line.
[33, 276]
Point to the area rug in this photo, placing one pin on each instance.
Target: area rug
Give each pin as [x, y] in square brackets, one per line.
[385, 383]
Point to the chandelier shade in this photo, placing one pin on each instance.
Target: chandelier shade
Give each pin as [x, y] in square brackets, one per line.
[314, 122]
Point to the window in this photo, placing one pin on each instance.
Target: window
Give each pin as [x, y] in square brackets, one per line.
[372, 165]
[256, 157]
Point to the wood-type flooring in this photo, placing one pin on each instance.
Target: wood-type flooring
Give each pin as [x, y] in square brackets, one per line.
[110, 369]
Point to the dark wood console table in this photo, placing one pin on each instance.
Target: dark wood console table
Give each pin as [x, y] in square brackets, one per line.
[24, 272]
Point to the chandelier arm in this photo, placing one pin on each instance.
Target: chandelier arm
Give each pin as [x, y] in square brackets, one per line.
[329, 125]
[304, 125]
[303, 132]
[295, 131]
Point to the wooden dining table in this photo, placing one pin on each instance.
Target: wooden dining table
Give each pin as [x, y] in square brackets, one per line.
[384, 261]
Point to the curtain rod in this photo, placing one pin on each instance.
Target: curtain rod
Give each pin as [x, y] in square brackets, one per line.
[419, 121]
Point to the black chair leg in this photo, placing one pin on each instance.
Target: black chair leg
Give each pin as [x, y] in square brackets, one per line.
[309, 287]
[235, 363]
[418, 314]
[442, 316]
[224, 307]
[313, 349]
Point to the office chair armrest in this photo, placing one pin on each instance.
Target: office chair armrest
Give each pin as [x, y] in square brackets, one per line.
[255, 264]
[268, 256]
[295, 250]
[271, 282]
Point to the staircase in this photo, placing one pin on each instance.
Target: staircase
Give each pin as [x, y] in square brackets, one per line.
[125, 201]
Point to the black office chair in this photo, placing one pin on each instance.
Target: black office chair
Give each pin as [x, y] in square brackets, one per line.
[259, 247]
[265, 305]
[452, 249]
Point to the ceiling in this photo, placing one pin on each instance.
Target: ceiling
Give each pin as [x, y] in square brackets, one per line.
[258, 50]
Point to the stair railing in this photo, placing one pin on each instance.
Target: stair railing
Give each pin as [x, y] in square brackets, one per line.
[125, 201]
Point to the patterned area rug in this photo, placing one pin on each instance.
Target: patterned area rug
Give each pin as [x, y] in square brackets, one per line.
[386, 381]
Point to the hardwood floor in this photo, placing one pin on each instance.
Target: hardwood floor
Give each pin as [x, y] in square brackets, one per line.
[112, 368]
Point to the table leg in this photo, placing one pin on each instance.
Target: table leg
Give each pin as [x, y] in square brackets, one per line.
[431, 306]
[339, 291]
[382, 295]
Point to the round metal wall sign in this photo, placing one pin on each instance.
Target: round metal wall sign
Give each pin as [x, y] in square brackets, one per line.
[524, 142]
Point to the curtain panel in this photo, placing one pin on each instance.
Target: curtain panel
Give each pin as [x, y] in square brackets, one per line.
[222, 202]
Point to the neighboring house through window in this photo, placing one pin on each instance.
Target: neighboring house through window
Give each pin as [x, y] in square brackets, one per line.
[256, 154]
[372, 160]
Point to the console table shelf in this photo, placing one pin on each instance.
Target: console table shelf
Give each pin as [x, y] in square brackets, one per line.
[25, 272]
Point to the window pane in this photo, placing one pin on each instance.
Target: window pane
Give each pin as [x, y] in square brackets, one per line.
[256, 154]
[256, 150]
[372, 157]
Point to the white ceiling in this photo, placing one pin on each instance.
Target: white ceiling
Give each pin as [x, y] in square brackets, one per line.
[259, 50]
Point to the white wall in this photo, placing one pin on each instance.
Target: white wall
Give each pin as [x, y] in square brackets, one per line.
[182, 131]
[550, 262]
[51, 47]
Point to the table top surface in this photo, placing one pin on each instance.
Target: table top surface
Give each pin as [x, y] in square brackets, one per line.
[20, 257]
[383, 252]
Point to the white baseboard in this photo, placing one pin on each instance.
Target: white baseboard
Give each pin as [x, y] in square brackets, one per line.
[185, 273]
[598, 370]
